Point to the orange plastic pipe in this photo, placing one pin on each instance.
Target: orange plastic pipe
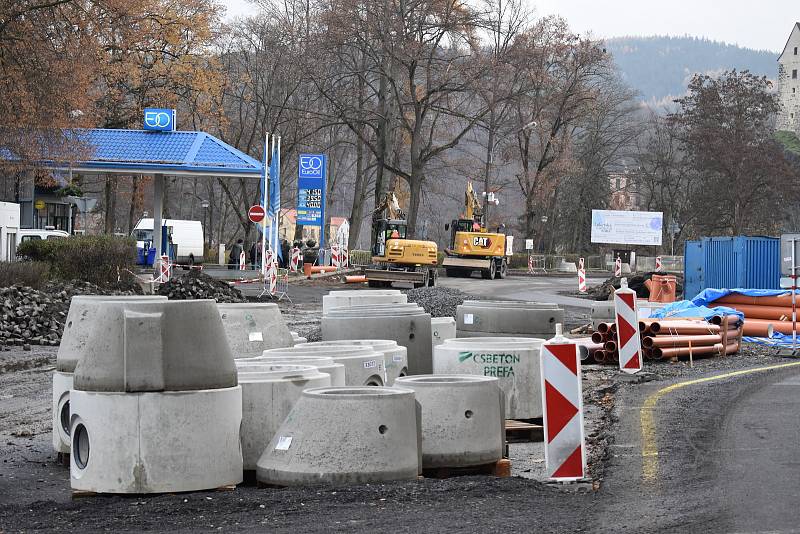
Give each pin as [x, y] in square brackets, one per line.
[735, 298]
[680, 341]
[668, 353]
[599, 356]
[684, 328]
[763, 312]
[758, 327]
[610, 346]
[732, 319]
[597, 337]
[355, 279]
[604, 328]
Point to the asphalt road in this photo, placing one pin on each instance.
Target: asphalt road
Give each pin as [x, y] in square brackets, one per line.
[714, 456]
[520, 287]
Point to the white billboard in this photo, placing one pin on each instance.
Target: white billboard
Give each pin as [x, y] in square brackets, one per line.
[627, 227]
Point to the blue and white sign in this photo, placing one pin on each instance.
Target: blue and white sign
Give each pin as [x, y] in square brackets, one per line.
[311, 189]
[159, 120]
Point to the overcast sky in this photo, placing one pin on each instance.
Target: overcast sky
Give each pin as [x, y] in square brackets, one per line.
[761, 24]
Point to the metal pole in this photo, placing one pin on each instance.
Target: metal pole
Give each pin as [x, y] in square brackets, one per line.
[275, 228]
[158, 206]
[266, 209]
[794, 297]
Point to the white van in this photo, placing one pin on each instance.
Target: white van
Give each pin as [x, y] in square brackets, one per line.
[187, 236]
[34, 234]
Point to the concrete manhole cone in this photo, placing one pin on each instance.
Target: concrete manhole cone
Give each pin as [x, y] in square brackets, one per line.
[463, 419]
[323, 442]
[81, 315]
[269, 391]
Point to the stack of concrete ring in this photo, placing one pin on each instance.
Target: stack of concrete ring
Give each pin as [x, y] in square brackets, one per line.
[151, 377]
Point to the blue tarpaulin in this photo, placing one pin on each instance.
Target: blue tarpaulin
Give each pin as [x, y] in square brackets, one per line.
[687, 308]
[710, 295]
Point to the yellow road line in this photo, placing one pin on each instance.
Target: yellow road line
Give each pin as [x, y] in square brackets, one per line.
[647, 418]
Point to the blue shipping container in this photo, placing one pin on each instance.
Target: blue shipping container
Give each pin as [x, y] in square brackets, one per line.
[730, 262]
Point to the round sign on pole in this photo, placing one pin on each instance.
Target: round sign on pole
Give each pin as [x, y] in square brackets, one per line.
[256, 213]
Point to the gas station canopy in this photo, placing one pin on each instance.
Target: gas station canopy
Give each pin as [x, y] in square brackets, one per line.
[176, 153]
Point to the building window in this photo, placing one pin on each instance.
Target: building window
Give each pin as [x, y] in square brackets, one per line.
[795, 50]
[794, 74]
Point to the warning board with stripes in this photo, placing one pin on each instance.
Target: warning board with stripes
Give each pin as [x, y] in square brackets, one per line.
[565, 451]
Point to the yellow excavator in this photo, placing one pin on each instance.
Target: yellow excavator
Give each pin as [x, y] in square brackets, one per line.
[472, 247]
[395, 258]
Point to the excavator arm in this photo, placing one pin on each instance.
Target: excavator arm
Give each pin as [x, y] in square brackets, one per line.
[472, 205]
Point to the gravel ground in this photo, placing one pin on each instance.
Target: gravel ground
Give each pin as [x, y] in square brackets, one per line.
[34, 488]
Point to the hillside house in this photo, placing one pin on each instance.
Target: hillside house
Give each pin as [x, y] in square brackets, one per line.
[789, 83]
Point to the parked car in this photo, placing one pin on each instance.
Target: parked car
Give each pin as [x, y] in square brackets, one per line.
[33, 234]
[187, 236]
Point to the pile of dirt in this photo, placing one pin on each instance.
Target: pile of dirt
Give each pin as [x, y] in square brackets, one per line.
[605, 291]
[36, 317]
[439, 301]
[197, 285]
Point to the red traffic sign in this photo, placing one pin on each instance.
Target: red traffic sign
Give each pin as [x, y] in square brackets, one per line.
[256, 213]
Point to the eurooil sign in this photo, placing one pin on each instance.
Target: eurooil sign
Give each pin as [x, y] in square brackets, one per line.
[498, 364]
[159, 119]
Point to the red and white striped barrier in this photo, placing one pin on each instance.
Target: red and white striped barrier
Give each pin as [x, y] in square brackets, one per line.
[562, 403]
[581, 276]
[164, 270]
[345, 258]
[628, 341]
[618, 267]
[272, 275]
[336, 257]
[294, 262]
[659, 266]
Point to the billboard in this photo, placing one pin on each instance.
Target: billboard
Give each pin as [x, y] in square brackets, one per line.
[627, 227]
[311, 189]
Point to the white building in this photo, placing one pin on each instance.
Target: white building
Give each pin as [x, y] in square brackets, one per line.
[789, 83]
[9, 227]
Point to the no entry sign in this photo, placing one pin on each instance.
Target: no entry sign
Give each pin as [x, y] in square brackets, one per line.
[256, 213]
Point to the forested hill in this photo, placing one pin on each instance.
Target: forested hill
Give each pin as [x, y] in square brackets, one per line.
[660, 67]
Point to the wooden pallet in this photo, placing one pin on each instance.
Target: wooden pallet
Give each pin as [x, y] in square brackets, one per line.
[500, 468]
[523, 432]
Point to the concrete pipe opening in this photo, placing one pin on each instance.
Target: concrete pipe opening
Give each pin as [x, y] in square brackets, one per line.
[63, 416]
[374, 381]
[80, 446]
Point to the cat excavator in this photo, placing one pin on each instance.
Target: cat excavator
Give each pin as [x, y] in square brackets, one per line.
[472, 247]
[395, 258]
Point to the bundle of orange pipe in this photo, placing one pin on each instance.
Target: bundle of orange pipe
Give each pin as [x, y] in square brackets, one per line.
[763, 315]
[670, 339]
[606, 337]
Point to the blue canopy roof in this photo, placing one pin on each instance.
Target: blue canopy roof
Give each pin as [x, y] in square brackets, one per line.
[178, 152]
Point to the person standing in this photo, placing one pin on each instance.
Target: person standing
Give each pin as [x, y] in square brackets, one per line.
[236, 252]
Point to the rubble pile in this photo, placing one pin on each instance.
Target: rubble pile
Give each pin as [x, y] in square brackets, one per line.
[605, 291]
[36, 317]
[197, 285]
[439, 301]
